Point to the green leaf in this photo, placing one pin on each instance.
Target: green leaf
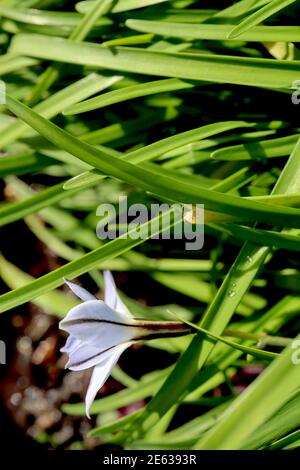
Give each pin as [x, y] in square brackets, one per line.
[79, 266]
[260, 150]
[219, 32]
[53, 105]
[10, 63]
[44, 18]
[155, 179]
[240, 347]
[205, 67]
[128, 93]
[265, 395]
[23, 162]
[14, 211]
[99, 8]
[55, 302]
[262, 237]
[282, 422]
[50, 196]
[115, 426]
[257, 17]
[119, 6]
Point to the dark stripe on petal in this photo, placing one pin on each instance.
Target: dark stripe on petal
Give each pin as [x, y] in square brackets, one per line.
[91, 357]
[96, 320]
[146, 324]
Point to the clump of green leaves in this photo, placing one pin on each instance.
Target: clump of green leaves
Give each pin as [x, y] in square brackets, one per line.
[185, 101]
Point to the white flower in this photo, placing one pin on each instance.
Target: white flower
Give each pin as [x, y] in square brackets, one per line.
[100, 331]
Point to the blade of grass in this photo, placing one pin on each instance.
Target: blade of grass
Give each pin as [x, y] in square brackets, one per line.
[23, 162]
[55, 302]
[15, 211]
[99, 8]
[282, 422]
[53, 105]
[261, 150]
[259, 16]
[128, 93]
[115, 426]
[196, 288]
[119, 6]
[239, 9]
[265, 395]
[129, 40]
[218, 32]
[239, 347]
[10, 63]
[50, 75]
[154, 179]
[262, 237]
[79, 266]
[44, 17]
[205, 67]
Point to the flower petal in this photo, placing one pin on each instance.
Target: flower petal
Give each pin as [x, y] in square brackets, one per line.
[98, 325]
[101, 373]
[111, 297]
[82, 293]
[72, 343]
[86, 356]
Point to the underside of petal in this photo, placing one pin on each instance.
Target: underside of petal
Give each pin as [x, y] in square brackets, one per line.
[72, 344]
[87, 356]
[101, 373]
[96, 324]
[111, 297]
[82, 293]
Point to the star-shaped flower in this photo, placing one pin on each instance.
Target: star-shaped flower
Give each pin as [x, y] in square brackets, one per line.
[101, 330]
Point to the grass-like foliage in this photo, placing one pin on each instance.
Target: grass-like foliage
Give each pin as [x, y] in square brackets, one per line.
[180, 101]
